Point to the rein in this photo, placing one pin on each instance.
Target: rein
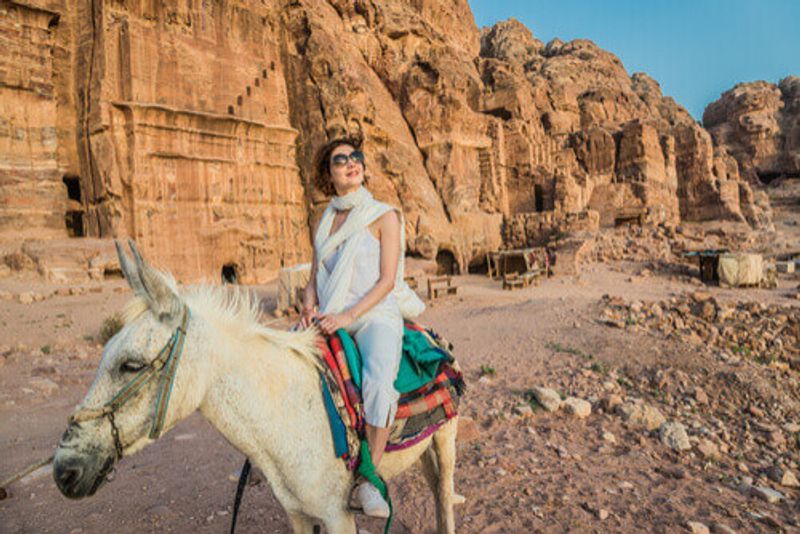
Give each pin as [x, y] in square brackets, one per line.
[166, 361]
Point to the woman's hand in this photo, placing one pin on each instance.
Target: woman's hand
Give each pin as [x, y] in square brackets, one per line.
[307, 317]
[331, 322]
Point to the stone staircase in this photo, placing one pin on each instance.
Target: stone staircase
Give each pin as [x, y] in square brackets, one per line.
[250, 104]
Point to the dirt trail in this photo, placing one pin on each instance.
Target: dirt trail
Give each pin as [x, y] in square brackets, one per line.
[528, 469]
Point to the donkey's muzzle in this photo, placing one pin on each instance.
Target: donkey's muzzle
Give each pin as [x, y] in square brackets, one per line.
[79, 476]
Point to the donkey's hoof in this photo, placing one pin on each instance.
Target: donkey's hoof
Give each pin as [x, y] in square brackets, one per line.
[459, 499]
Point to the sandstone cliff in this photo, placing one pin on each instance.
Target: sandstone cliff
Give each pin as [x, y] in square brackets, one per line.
[582, 134]
[191, 127]
[758, 123]
[168, 123]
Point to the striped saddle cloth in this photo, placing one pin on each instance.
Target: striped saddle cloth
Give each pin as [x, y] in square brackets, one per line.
[429, 382]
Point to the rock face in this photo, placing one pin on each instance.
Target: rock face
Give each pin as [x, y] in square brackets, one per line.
[581, 134]
[175, 126]
[36, 151]
[191, 127]
[758, 123]
[403, 76]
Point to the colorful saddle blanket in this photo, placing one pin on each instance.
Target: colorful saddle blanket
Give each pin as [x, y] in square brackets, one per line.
[429, 382]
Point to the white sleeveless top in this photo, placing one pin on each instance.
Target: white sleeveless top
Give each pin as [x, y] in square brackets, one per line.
[366, 273]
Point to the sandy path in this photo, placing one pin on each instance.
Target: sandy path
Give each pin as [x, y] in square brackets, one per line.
[540, 472]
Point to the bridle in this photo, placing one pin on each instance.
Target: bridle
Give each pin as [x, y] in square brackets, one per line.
[167, 360]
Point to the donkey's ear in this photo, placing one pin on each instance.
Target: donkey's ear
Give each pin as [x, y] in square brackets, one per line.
[129, 271]
[159, 293]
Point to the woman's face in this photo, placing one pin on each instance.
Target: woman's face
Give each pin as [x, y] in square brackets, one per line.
[347, 169]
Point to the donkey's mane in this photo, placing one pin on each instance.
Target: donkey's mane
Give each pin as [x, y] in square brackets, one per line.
[236, 312]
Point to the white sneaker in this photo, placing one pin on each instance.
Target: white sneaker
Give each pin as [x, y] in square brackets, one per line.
[371, 501]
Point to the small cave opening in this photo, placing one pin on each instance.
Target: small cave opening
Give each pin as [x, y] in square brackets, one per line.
[628, 220]
[74, 223]
[546, 122]
[73, 184]
[538, 197]
[110, 273]
[230, 274]
[478, 267]
[446, 263]
[500, 113]
[768, 176]
[73, 217]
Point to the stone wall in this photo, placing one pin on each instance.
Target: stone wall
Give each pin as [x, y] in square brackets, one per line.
[547, 228]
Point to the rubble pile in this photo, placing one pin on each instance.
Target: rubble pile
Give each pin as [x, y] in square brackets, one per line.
[666, 243]
[636, 243]
[768, 334]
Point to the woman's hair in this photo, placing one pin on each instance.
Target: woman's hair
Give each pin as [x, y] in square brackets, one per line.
[322, 163]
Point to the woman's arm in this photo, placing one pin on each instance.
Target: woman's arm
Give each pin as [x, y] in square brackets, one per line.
[310, 299]
[389, 231]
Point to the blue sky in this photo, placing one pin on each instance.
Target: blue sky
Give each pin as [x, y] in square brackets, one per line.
[696, 49]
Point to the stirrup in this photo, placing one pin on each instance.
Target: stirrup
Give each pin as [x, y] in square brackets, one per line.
[350, 506]
[353, 501]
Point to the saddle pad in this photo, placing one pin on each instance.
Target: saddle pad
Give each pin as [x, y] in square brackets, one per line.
[427, 363]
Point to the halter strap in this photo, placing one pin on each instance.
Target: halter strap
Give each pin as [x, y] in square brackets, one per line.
[167, 360]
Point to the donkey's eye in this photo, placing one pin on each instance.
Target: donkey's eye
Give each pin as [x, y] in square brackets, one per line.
[131, 366]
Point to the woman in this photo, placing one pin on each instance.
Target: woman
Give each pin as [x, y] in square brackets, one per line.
[357, 265]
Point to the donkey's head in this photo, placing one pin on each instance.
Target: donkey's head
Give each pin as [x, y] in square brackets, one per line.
[139, 390]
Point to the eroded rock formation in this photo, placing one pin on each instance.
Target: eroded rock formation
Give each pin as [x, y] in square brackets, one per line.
[582, 134]
[191, 127]
[173, 129]
[758, 123]
[37, 124]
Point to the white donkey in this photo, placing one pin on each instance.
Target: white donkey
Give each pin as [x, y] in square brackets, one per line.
[205, 350]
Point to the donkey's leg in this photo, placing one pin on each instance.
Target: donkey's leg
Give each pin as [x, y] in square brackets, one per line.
[342, 522]
[301, 523]
[430, 469]
[444, 444]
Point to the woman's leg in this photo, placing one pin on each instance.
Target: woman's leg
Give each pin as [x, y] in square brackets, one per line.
[380, 345]
[377, 438]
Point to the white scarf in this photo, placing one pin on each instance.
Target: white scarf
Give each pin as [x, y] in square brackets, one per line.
[333, 287]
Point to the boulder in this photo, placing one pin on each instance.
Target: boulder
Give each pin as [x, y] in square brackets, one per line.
[577, 407]
[548, 398]
[641, 414]
[673, 435]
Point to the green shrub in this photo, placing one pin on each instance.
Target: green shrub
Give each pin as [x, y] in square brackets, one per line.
[557, 347]
[487, 370]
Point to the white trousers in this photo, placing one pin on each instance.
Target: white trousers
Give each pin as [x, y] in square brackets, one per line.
[380, 342]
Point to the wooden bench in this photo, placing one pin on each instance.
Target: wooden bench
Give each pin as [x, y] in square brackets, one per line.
[513, 281]
[502, 262]
[441, 285]
[519, 280]
[532, 276]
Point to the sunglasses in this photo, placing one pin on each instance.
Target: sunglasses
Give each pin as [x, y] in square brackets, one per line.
[340, 160]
